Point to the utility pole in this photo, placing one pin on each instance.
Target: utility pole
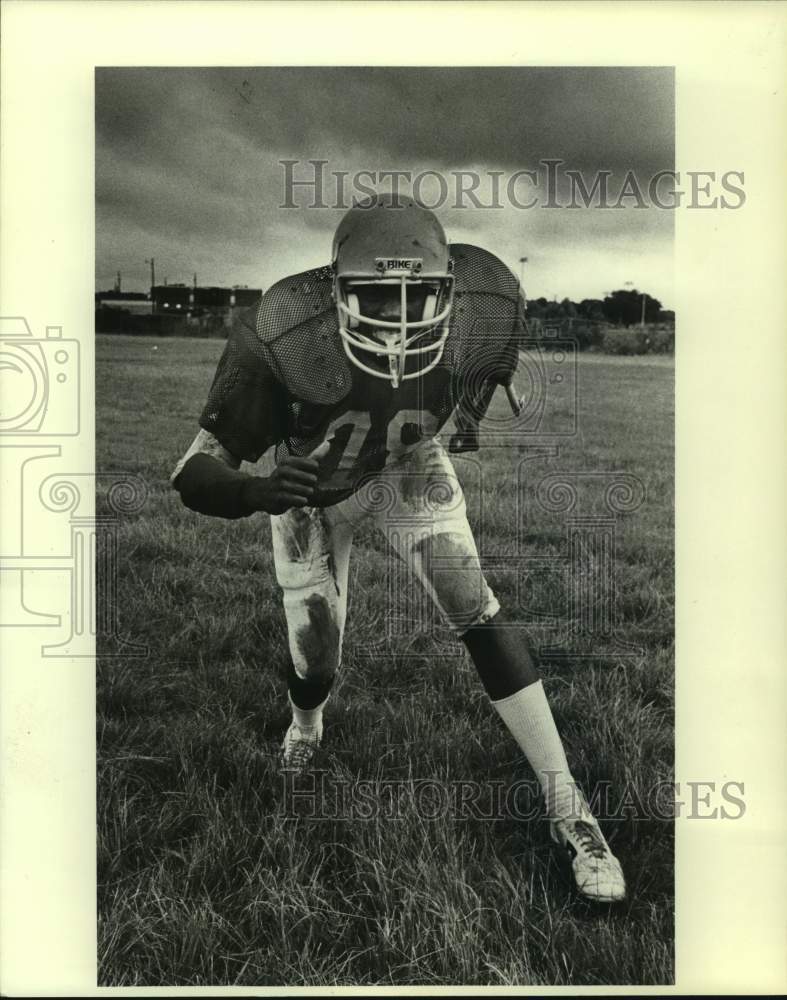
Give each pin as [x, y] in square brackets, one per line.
[152, 263]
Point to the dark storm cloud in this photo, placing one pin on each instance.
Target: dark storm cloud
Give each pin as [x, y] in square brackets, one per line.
[592, 117]
[595, 117]
[187, 160]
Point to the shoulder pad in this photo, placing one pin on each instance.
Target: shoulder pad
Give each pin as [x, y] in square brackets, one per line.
[292, 301]
[297, 325]
[477, 270]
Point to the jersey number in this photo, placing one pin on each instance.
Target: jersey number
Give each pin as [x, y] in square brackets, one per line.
[361, 426]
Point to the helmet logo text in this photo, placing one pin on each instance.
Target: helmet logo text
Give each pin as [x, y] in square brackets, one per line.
[402, 265]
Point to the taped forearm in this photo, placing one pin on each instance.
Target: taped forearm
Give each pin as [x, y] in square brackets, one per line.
[208, 486]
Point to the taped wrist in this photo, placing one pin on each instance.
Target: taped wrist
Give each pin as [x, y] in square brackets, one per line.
[208, 486]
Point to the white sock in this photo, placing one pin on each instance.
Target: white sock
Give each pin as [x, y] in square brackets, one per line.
[306, 718]
[529, 719]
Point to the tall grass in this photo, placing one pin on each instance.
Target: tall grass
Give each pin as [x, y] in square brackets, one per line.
[207, 873]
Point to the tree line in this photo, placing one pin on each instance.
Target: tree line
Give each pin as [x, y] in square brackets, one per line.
[623, 307]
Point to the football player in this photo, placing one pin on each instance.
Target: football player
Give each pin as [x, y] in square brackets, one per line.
[350, 371]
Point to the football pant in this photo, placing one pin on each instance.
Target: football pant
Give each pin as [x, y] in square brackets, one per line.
[418, 504]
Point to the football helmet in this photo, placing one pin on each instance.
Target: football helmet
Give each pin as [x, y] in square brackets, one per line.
[393, 287]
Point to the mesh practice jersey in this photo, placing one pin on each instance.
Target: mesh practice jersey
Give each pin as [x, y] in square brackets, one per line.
[284, 379]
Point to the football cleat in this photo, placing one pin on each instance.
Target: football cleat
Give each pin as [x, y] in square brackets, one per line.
[299, 746]
[597, 872]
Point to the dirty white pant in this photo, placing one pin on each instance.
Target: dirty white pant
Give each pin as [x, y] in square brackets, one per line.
[418, 504]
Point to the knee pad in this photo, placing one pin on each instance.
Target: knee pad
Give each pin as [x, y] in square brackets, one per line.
[447, 562]
[314, 632]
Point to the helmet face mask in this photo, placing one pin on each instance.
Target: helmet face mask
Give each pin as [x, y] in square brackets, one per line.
[394, 310]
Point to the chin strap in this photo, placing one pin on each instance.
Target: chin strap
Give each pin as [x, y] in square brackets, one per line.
[517, 402]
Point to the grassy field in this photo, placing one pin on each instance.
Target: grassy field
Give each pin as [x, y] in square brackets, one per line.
[208, 875]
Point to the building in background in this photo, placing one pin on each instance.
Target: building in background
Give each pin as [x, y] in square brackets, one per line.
[173, 310]
[137, 303]
[198, 303]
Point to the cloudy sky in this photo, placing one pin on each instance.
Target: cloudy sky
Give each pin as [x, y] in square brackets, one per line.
[189, 168]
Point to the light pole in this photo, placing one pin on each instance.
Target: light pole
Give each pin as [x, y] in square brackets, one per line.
[522, 261]
[644, 296]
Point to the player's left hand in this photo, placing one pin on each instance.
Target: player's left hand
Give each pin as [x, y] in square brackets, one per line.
[463, 441]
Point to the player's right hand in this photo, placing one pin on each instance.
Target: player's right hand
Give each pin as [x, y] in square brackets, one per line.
[291, 484]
